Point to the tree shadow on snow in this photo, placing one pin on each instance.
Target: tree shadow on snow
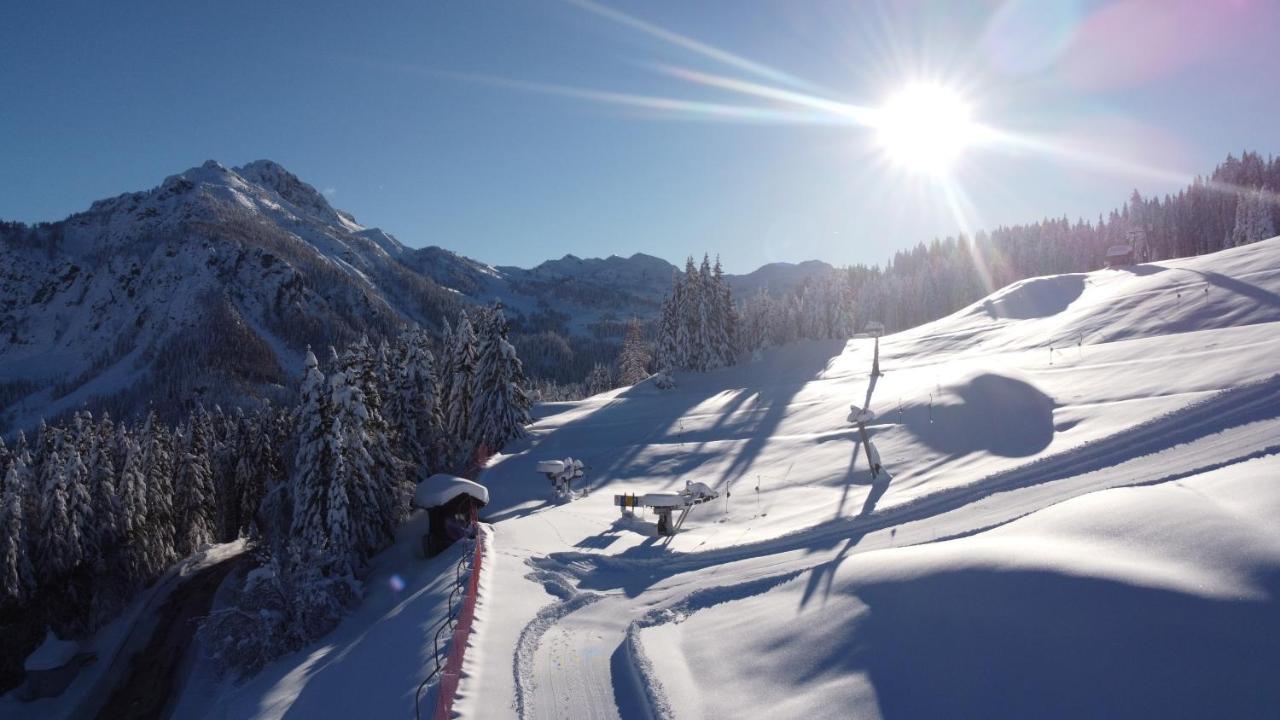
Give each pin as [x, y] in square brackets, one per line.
[667, 426]
[996, 644]
[998, 414]
[1144, 269]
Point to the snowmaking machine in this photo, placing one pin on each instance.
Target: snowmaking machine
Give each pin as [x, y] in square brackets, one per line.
[664, 503]
[561, 473]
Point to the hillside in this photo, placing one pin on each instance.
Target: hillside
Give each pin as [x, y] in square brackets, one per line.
[1078, 465]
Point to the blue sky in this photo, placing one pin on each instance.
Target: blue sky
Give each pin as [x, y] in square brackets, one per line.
[514, 131]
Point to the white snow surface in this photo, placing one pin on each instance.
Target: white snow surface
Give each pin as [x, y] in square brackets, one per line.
[1080, 522]
[440, 489]
[54, 652]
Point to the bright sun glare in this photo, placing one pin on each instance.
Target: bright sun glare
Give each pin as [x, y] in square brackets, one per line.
[924, 128]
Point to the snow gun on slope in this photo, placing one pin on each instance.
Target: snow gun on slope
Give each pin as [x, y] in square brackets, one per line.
[862, 417]
[664, 503]
[561, 473]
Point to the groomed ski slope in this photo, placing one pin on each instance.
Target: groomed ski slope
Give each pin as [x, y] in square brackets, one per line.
[990, 578]
[1083, 532]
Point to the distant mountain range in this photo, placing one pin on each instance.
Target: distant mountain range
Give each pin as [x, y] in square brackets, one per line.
[210, 286]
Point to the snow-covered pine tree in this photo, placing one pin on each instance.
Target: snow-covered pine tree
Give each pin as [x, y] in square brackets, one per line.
[316, 461]
[599, 379]
[1254, 220]
[388, 489]
[58, 546]
[108, 523]
[257, 469]
[414, 407]
[689, 329]
[194, 487]
[501, 407]
[725, 330]
[157, 448]
[80, 508]
[17, 575]
[462, 391]
[133, 516]
[350, 481]
[363, 523]
[633, 360]
[445, 368]
[668, 327]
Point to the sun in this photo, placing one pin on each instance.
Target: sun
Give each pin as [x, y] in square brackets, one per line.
[924, 127]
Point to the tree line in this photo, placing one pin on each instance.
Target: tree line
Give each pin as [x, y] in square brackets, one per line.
[93, 511]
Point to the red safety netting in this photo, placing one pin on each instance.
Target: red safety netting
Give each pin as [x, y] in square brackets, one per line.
[452, 672]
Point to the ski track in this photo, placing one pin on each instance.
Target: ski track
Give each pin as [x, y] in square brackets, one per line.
[560, 671]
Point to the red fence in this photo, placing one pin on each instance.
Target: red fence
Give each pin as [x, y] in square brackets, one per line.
[452, 672]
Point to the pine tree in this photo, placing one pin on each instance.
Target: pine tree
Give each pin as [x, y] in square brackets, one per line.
[106, 502]
[724, 319]
[58, 544]
[194, 488]
[687, 316]
[157, 450]
[414, 408]
[80, 508]
[462, 391]
[668, 323]
[317, 457]
[386, 493]
[17, 576]
[350, 478]
[361, 524]
[599, 379]
[633, 361]
[501, 406]
[133, 502]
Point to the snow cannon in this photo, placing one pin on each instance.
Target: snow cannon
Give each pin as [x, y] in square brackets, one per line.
[861, 416]
[561, 473]
[664, 503]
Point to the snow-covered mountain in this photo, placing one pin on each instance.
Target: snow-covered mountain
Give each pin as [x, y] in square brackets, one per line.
[209, 287]
[1077, 519]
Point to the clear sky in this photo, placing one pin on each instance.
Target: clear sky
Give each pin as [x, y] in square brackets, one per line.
[519, 130]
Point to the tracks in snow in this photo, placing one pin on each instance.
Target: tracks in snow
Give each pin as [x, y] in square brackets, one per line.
[563, 665]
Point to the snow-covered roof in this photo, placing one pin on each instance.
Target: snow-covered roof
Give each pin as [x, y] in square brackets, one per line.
[440, 489]
[52, 653]
[1118, 250]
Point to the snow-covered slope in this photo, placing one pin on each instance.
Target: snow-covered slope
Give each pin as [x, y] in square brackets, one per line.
[1087, 532]
[766, 602]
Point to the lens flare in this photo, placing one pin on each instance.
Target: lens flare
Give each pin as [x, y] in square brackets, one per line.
[924, 128]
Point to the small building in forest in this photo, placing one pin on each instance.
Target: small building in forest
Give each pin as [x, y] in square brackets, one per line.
[1119, 255]
[452, 504]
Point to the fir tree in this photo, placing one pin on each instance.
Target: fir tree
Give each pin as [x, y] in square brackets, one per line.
[462, 390]
[17, 576]
[194, 488]
[633, 361]
[317, 458]
[501, 406]
[156, 446]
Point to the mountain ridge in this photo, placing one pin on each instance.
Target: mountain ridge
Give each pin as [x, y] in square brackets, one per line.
[209, 286]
